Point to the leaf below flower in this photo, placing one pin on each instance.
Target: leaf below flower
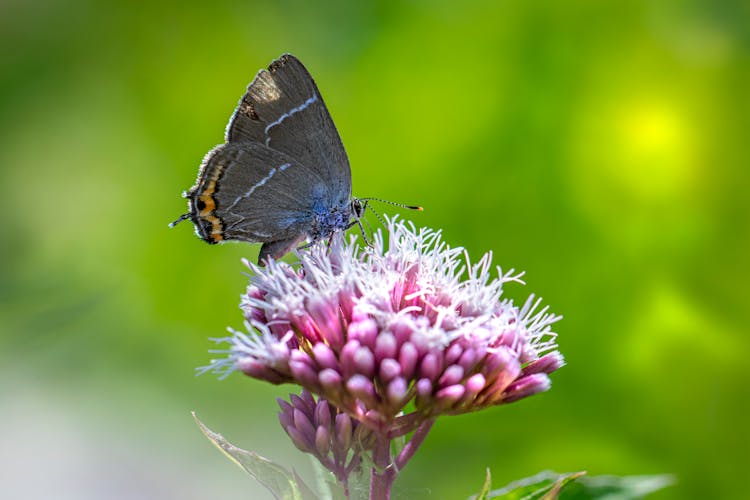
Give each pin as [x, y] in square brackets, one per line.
[549, 485]
[282, 484]
[485, 487]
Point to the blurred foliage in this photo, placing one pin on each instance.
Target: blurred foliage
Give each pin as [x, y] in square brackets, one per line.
[600, 146]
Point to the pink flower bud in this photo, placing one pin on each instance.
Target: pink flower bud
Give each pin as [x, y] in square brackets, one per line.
[299, 440]
[326, 318]
[396, 391]
[385, 346]
[431, 366]
[322, 440]
[364, 331]
[545, 364]
[526, 386]
[324, 356]
[453, 352]
[389, 369]
[322, 413]
[330, 380]
[343, 431]
[475, 384]
[407, 358]
[448, 396]
[452, 375]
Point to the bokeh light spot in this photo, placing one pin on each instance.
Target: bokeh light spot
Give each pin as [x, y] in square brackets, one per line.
[656, 151]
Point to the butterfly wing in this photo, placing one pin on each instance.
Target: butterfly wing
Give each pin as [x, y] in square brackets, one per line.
[250, 192]
[283, 110]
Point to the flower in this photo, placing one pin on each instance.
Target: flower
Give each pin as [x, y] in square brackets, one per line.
[331, 436]
[393, 334]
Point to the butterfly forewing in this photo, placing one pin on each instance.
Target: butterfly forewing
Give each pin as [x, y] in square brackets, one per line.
[284, 110]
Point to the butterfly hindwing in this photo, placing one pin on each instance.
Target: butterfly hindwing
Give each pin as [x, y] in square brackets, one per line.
[250, 192]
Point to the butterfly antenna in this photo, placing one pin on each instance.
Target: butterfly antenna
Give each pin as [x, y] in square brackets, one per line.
[180, 219]
[408, 207]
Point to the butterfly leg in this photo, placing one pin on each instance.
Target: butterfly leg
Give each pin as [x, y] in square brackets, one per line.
[364, 233]
[180, 219]
[277, 249]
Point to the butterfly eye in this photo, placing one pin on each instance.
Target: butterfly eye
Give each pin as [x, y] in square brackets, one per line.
[358, 208]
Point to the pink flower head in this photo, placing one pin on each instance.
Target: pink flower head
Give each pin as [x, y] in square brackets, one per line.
[393, 334]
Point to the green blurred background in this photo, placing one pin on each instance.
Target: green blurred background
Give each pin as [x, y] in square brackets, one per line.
[600, 146]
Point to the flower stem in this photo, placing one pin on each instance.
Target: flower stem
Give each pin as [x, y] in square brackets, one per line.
[414, 443]
[382, 474]
[404, 425]
[385, 470]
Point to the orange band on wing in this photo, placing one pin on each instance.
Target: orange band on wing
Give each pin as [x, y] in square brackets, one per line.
[217, 228]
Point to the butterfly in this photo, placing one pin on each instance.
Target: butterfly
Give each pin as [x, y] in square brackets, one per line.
[282, 176]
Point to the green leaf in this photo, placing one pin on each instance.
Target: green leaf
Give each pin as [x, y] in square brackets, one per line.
[543, 486]
[330, 488]
[307, 493]
[485, 487]
[616, 487]
[359, 484]
[549, 485]
[326, 483]
[282, 484]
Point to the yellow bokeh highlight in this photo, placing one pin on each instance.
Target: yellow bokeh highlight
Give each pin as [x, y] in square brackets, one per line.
[638, 167]
[655, 150]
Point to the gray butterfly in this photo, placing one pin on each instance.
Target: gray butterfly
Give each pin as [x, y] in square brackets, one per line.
[282, 176]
